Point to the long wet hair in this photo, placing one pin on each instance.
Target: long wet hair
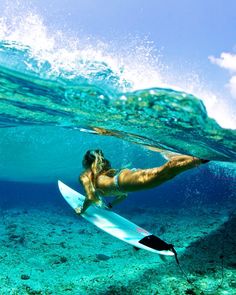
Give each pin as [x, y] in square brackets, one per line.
[96, 162]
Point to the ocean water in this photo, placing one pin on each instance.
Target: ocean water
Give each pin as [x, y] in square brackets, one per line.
[55, 104]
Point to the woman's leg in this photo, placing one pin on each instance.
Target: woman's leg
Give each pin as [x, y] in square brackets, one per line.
[148, 178]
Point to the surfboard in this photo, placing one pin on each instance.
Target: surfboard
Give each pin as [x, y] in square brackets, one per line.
[116, 225]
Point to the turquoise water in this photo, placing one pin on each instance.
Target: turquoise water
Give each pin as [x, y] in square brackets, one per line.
[91, 95]
[50, 115]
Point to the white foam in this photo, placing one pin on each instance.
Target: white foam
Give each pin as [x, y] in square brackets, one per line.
[137, 62]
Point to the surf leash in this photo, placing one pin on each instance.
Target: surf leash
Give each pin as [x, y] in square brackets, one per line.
[188, 279]
[225, 232]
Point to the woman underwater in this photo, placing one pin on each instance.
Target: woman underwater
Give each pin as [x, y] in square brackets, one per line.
[99, 179]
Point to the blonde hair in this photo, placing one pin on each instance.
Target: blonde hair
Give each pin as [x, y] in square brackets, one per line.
[98, 164]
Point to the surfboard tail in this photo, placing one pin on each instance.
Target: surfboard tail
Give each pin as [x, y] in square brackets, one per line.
[116, 225]
[157, 244]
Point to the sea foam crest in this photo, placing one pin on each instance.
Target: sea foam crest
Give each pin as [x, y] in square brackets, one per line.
[128, 67]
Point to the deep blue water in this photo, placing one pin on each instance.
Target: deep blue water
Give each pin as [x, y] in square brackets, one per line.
[57, 103]
[198, 187]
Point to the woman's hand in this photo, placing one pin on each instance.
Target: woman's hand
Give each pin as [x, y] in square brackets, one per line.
[79, 210]
[109, 205]
[82, 209]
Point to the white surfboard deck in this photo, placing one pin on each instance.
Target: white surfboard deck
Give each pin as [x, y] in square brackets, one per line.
[109, 221]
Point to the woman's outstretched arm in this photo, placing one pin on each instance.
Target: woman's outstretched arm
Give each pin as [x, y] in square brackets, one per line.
[89, 191]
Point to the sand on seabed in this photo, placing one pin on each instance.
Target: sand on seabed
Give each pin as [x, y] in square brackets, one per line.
[50, 250]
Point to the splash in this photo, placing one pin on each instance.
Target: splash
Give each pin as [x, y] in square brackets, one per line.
[55, 80]
[134, 66]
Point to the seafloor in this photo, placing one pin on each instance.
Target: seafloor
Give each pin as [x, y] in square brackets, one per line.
[52, 251]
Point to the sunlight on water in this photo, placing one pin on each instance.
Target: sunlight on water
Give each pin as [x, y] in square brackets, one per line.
[79, 84]
[136, 64]
[62, 94]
